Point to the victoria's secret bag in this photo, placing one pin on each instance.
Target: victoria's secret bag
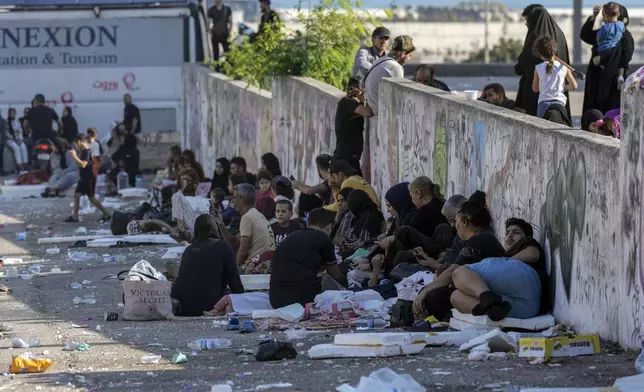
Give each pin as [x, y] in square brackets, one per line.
[145, 298]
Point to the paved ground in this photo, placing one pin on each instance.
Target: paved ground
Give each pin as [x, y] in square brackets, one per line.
[42, 307]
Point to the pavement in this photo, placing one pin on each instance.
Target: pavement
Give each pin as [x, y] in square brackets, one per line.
[42, 307]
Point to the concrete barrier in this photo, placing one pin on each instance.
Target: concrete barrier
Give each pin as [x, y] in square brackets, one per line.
[225, 118]
[582, 192]
[155, 148]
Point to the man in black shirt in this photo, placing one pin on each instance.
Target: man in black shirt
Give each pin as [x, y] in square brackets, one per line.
[131, 116]
[221, 17]
[38, 121]
[238, 165]
[425, 75]
[495, 94]
[269, 17]
[349, 125]
[296, 262]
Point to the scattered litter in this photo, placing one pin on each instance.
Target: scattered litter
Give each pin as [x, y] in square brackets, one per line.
[272, 350]
[151, 359]
[381, 338]
[53, 251]
[76, 286]
[295, 334]
[111, 316]
[334, 351]
[25, 343]
[293, 312]
[98, 328]
[29, 363]
[80, 326]
[114, 259]
[81, 230]
[86, 301]
[31, 227]
[440, 373]
[34, 269]
[10, 260]
[21, 236]
[221, 388]
[495, 341]
[86, 282]
[179, 357]
[81, 256]
[209, 344]
[75, 346]
[384, 380]
[559, 346]
[219, 323]
[55, 270]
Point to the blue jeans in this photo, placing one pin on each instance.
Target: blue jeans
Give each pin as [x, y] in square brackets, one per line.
[543, 107]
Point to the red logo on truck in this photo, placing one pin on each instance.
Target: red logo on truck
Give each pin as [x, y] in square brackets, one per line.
[67, 97]
[129, 79]
[106, 85]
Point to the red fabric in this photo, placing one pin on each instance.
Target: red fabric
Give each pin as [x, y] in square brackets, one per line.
[96, 165]
[33, 177]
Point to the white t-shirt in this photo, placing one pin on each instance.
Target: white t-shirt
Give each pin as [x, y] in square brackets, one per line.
[95, 148]
[551, 85]
[384, 67]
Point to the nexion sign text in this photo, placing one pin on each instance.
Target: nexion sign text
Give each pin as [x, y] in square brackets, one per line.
[58, 37]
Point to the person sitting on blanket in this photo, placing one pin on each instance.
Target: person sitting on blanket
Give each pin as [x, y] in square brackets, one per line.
[207, 269]
[195, 164]
[255, 234]
[299, 258]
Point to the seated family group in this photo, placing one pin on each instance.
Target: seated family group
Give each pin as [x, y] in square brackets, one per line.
[333, 236]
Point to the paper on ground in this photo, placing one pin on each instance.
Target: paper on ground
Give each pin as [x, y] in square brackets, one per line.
[533, 324]
[173, 252]
[71, 240]
[256, 282]
[321, 351]
[380, 338]
[247, 303]
[496, 340]
[141, 239]
[293, 312]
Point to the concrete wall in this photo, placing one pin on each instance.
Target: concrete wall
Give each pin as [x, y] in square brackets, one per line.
[581, 192]
[155, 148]
[225, 118]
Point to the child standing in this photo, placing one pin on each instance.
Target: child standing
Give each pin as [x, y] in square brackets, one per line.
[550, 77]
[87, 180]
[284, 225]
[609, 34]
[95, 148]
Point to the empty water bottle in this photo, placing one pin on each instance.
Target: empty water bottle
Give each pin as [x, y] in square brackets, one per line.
[122, 180]
[84, 203]
[209, 344]
[138, 182]
[363, 324]
[639, 362]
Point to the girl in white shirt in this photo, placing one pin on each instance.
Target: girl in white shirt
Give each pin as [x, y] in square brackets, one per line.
[550, 76]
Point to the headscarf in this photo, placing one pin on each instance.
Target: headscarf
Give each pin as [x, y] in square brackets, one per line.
[400, 199]
[589, 117]
[221, 181]
[272, 164]
[367, 215]
[205, 228]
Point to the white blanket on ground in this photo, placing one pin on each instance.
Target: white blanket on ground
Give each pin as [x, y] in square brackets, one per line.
[247, 303]
[188, 208]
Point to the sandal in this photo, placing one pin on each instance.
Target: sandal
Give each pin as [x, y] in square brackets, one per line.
[247, 326]
[233, 324]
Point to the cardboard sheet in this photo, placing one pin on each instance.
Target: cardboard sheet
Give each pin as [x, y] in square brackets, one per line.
[322, 351]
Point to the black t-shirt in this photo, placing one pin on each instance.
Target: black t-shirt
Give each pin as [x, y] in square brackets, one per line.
[428, 217]
[267, 19]
[295, 267]
[207, 268]
[282, 232]
[220, 19]
[479, 247]
[86, 172]
[41, 119]
[349, 129]
[540, 268]
[130, 112]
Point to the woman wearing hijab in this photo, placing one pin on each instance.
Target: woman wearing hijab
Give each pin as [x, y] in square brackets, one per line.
[220, 176]
[603, 85]
[271, 164]
[540, 24]
[207, 269]
[195, 165]
[70, 126]
[367, 222]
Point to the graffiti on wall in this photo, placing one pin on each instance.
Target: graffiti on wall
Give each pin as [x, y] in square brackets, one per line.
[564, 212]
[478, 156]
[439, 154]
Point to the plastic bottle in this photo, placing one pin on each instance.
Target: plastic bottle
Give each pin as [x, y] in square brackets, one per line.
[114, 259]
[122, 180]
[639, 362]
[83, 204]
[75, 346]
[209, 344]
[364, 324]
[138, 182]
[149, 359]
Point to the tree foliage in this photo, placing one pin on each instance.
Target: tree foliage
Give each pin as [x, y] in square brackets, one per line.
[505, 51]
[325, 50]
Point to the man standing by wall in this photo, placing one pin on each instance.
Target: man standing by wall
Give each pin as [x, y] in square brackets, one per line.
[269, 17]
[390, 66]
[367, 55]
[221, 18]
[131, 116]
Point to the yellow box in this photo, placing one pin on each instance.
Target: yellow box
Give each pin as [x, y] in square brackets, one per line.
[559, 346]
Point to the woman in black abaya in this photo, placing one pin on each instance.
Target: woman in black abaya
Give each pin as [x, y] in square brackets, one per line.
[602, 91]
[540, 24]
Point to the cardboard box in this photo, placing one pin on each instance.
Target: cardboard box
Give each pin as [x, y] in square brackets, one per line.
[559, 346]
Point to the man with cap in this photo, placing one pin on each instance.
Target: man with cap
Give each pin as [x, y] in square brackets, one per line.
[269, 17]
[390, 66]
[366, 55]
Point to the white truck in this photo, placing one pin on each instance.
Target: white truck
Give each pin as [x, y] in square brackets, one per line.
[86, 54]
